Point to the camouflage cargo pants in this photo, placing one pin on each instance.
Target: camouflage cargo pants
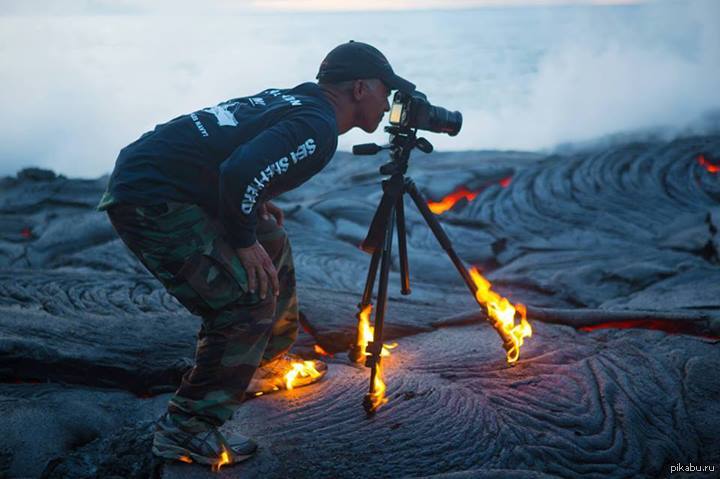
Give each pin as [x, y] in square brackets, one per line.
[183, 248]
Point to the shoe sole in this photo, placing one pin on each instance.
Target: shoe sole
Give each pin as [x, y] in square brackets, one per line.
[173, 452]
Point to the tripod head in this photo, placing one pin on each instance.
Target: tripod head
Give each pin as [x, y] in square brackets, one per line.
[402, 141]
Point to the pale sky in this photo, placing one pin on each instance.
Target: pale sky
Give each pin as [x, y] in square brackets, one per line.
[90, 76]
[69, 7]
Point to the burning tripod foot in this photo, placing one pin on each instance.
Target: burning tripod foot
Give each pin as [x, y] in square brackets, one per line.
[376, 397]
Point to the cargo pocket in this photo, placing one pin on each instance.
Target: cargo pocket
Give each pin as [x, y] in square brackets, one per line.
[216, 276]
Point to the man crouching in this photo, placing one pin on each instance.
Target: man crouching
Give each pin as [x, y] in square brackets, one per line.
[191, 200]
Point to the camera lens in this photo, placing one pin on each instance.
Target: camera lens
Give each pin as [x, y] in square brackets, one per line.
[442, 121]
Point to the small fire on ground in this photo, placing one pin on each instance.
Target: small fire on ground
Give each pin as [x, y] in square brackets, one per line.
[222, 460]
[299, 370]
[365, 336]
[502, 314]
[319, 350]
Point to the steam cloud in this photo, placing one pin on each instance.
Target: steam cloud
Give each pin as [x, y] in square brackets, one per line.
[76, 89]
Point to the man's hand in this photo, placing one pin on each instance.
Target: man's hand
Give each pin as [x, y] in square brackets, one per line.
[260, 269]
[266, 209]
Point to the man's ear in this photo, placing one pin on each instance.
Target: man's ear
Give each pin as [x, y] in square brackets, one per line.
[359, 88]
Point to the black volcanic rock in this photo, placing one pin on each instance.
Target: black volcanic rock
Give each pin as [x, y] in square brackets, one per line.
[44, 423]
[601, 404]
[622, 237]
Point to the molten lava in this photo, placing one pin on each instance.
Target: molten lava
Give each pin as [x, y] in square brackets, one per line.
[300, 369]
[665, 325]
[502, 314]
[449, 201]
[439, 207]
[710, 167]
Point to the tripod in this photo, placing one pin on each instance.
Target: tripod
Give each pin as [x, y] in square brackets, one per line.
[378, 242]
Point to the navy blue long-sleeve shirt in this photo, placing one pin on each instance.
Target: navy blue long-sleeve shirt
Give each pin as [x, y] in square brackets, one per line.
[230, 157]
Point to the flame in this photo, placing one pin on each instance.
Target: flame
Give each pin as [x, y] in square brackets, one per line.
[222, 460]
[449, 201]
[319, 350]
[377, 398]
[710, 167]
[365, 336]
[366, 333]
[502, 312]
[302, 369]
[185, 459]
[505, 182]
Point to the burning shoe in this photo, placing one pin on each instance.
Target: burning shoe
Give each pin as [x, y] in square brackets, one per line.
[288, 371]
[209, 447]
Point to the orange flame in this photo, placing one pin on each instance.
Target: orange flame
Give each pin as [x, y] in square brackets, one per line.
[377, 398]
[710, 167]
[302, 369]
[366, 333]
[449, 201]
[185, 459]
[222, 460]
[319, 350]
[502, 313]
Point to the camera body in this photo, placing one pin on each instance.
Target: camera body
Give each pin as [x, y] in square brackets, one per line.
[415, 111]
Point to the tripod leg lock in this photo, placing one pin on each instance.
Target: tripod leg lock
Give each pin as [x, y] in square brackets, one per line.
[374, 350]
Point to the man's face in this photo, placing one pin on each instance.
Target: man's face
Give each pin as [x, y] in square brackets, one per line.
[373, 101]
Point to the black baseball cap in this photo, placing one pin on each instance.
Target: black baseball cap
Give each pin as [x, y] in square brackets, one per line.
[356, 60]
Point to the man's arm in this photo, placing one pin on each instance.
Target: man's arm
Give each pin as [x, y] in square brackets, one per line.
[290, 151]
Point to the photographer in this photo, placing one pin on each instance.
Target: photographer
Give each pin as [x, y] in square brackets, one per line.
[191, 200]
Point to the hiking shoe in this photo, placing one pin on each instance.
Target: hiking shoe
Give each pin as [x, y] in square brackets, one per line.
[288, 371]
[207, 447]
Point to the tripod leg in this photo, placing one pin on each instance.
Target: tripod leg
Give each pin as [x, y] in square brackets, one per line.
[355, 354]
[402, 246]
[370, 281]
[432, 221]
[373, 399]
[392, 189]
[439, 233]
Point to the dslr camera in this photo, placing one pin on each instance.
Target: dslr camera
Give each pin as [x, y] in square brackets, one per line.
[413, 110]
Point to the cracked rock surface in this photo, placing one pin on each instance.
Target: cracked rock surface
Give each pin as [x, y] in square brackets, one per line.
[615, 249]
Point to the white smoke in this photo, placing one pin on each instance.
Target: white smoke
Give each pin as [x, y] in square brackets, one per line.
[75, 89]
[605, 80]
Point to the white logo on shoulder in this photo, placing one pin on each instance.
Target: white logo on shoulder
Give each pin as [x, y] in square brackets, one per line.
[223, 114]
